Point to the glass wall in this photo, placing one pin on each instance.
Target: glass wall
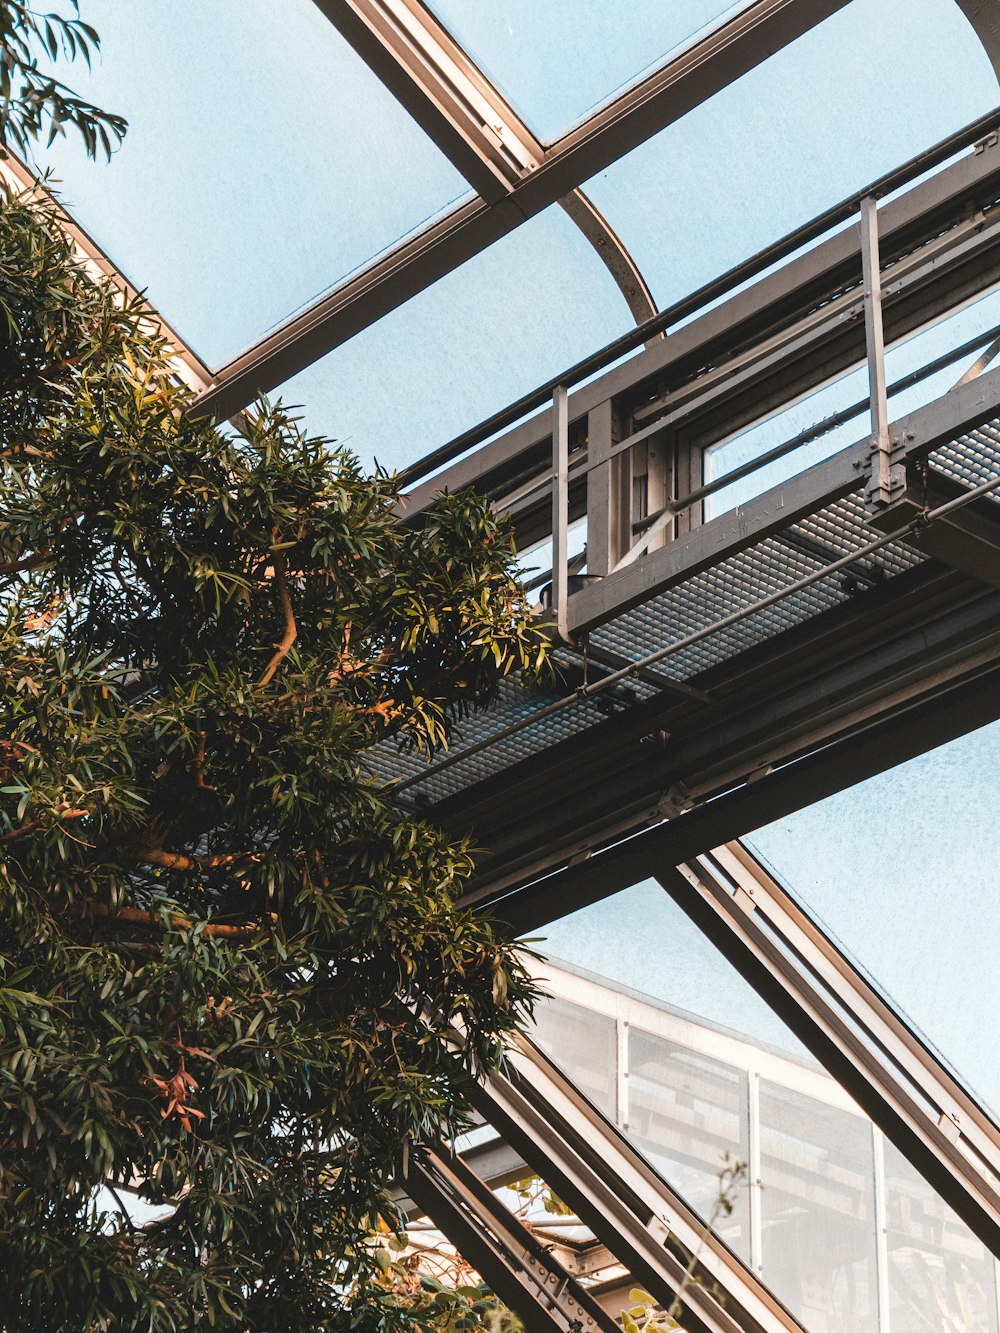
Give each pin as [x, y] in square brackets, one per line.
[832, 1216]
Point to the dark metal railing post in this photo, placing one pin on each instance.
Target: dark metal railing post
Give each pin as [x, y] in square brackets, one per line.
[888, 477]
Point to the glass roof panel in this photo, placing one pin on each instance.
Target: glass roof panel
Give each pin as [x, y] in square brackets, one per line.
[557, 62]
[903, 870]
[532, 304]
[264, 161]
[858, 94]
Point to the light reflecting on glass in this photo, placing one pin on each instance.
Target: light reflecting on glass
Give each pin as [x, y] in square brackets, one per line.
[584, 1045]
[940, 1276]
[687, 1113]
[692, 1090]
[803, 130]
[263, 162]
[555, 62]
[818, 1211]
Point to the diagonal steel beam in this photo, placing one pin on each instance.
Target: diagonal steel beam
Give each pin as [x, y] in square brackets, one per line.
[518, 1266]
[849, 1026]
[17, 178]
[645, 1224]
[664, 97]
[468, 118]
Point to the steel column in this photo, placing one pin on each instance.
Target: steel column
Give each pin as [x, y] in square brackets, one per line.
[560, 509]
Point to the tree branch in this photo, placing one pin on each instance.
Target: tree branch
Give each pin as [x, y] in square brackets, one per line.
[40, 822]
[27, 562]
[289, 636]
[136, 916]
[156, 856]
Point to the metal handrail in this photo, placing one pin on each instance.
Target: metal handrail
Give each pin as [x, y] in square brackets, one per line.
[749, 268]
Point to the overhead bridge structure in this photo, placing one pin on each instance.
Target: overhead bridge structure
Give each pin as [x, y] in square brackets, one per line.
[745, 619]
[723, 663]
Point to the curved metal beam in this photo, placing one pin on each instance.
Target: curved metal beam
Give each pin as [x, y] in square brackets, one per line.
[469, 119]
[613, 252]
[503, 158]
[984, 15]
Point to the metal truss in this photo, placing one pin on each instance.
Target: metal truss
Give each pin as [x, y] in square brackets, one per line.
[793, 330]
[850, 1027]
[441, 87]
[643, 1222]
[518, 1267]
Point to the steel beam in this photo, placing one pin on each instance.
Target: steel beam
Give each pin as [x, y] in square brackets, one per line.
[946, 418]
[792, 730]
[984, 16]
[632, 1210]
[967, 540]
[851, 1028]
[736, 47]
[516, 1265]
[19, 179]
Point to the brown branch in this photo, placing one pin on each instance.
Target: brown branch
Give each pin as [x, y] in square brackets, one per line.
[135, 916]
[40, 822]
[27, 562]
[199, 765]
[289, 636]
[156, 856]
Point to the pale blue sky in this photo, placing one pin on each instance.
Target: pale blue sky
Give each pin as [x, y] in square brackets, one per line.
[264, 162]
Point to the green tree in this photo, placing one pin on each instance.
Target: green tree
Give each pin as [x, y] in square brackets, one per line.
[230, 965]
[32, 101]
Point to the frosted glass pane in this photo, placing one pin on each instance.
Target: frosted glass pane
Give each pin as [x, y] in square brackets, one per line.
[940, 1275]
[687, 1113]
[808, 126]
[818, 1211]
[557, 61]
[530, 305]
[903, 870]
[583, 1044]
[263, 162]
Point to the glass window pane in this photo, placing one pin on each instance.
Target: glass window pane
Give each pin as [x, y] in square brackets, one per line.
[688, 1113]
[940, 1275]
[584, 1045]
[804, 129]
[264, 161]
[846, 392]
[818, 1211]
[535, 302]
[557, 61]
[903, 871]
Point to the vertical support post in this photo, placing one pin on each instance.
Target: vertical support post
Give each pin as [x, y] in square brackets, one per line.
[608, 537]
[621, 1065]
[881, 1231]
[560, 508]
[886, 480]
[754, 1169]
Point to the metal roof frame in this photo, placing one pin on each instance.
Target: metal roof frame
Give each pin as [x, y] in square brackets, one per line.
[438, 83]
